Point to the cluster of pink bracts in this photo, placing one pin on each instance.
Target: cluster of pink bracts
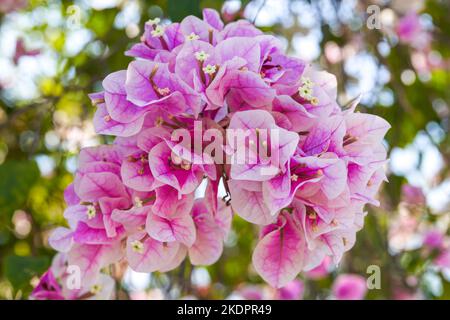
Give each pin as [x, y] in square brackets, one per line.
[135, 199]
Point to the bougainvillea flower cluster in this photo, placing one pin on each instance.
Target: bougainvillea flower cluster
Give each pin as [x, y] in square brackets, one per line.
[153, 203]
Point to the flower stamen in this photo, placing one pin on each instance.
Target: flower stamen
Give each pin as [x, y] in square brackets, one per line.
[153, 22]
[138, 203]
[96, 289]
[349, 139]
[158, 31]
[201, 55]
[91, 212]
[192, 37]
[137, 246]
[209, 69]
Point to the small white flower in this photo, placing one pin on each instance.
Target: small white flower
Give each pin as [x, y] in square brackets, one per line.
[307, 82]
[163, 91]
[96, 289]
[159, 121]
[158, 31]
[312, 215]
[176, 160]
[314, 101]
[137, 246]
[201, 55]
[209, 69]
[185, 165]
[138, 202]
[192, 37]
[154, 21]
[305, 92]
[91, 212]
[294, 177]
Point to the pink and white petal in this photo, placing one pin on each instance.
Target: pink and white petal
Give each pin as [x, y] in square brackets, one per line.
[91, 258]
[133, 218]
[77, 213]
[117, 105]
[248, 203]
[70, 196]
[326, 135]
[245, 48]
[107, 287]
[154, 254]
[223, 217]
[61, 239]
[176, 260]
[137, 85]
[279, 255]
[208, 245]
[252, 119]
[150, 137]
[278, 192]
[252, 89]
[240, 28]
[338, 242]
[159, 166]
[169, 202]
[187, 66]
[101, 153]
[192, 24]
[212, 17]
[179, 227]
[93, 186]
[85, 234]
[104, 124]
[137, 175]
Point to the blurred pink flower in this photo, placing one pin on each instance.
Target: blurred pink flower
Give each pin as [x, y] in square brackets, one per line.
[410, 31]
[426, 61]
[47, 288]
[443, 259]
[252, 293]
[7, 6]
[433, 239]
[413, 195]
[55, 284]
[292, 291]
[322, 270]
[153, 294]
[22, 51]
[403, 232]
[401, 294]
[349, 287]
[333, 52]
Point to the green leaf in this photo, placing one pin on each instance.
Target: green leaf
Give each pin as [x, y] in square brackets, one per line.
[19, 270]
[177, 10]
[101, 23]
[16, 179]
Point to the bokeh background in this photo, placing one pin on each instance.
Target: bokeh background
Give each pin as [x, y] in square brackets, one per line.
[54, 52]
